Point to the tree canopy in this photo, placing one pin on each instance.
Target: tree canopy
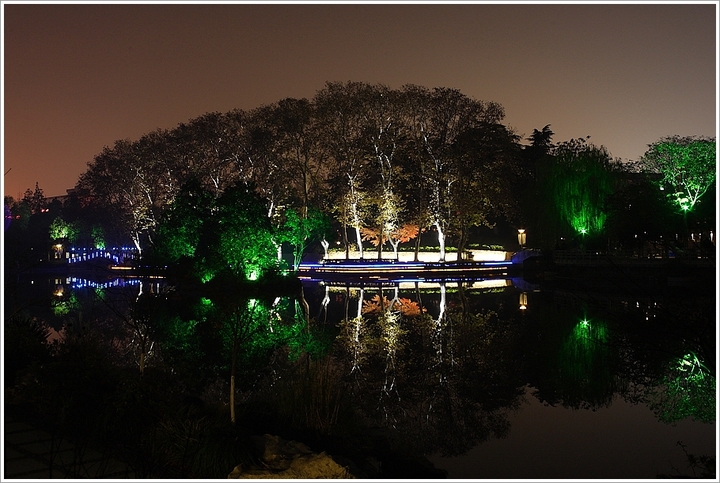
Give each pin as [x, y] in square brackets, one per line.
[380, 165]
[687, 165]
[375, 159]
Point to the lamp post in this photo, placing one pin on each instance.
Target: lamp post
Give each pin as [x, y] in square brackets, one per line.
[521, 237]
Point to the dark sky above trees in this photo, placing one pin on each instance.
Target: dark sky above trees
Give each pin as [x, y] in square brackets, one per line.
[77, 78]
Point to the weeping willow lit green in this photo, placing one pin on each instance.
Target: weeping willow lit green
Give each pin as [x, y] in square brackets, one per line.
[580, 182]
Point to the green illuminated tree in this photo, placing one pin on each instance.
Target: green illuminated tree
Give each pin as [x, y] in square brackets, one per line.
[62, 230]
[239, 236]
[180, 229]
[299, 231]
[383, 215]
[580, 182]
[98, 237]
[229, 234]
[687, 165]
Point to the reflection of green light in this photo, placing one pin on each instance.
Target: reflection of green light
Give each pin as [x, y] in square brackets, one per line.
[588, 335]
[252, 274]
[206, 276]
[587, 342]
[585, 374]
[60, 308]
[63, 307]
[687, 391]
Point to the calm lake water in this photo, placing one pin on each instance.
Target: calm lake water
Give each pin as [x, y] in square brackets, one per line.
[502, 378]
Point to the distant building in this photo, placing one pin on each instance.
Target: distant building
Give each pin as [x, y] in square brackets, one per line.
[61, 198]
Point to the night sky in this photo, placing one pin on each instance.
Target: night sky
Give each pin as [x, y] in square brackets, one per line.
[77, 78]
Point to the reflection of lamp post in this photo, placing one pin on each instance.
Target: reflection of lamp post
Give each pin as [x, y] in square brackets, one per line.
[523, 301]
[521, 237]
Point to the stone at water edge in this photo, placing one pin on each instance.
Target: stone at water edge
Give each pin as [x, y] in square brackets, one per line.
[282, 459]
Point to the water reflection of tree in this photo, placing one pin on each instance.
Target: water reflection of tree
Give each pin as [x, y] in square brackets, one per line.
[581, 368]
[439, 373]
[687, 390]
[444, 382]
[654, 352]
[673, 350]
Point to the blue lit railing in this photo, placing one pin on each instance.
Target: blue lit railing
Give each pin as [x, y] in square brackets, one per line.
[116, 255]
[76, 282]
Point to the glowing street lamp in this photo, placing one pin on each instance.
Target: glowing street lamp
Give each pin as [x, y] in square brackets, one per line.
[523, 301]
[521, 237]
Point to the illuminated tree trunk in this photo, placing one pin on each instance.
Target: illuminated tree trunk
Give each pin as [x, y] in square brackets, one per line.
[462, 242]
[142, 358]
[359, 242]
[136, 241]
[347, 301]
[441, 315]
[346, 242]
[325, 302]
[357, 328]
[441, 240]
[360, 302]
[356, 219]
[303, 303]
[417, 248]
[395, 244]
[437, 334]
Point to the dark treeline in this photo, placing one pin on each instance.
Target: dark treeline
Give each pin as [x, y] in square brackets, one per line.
[372, 158]
[383, 166]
